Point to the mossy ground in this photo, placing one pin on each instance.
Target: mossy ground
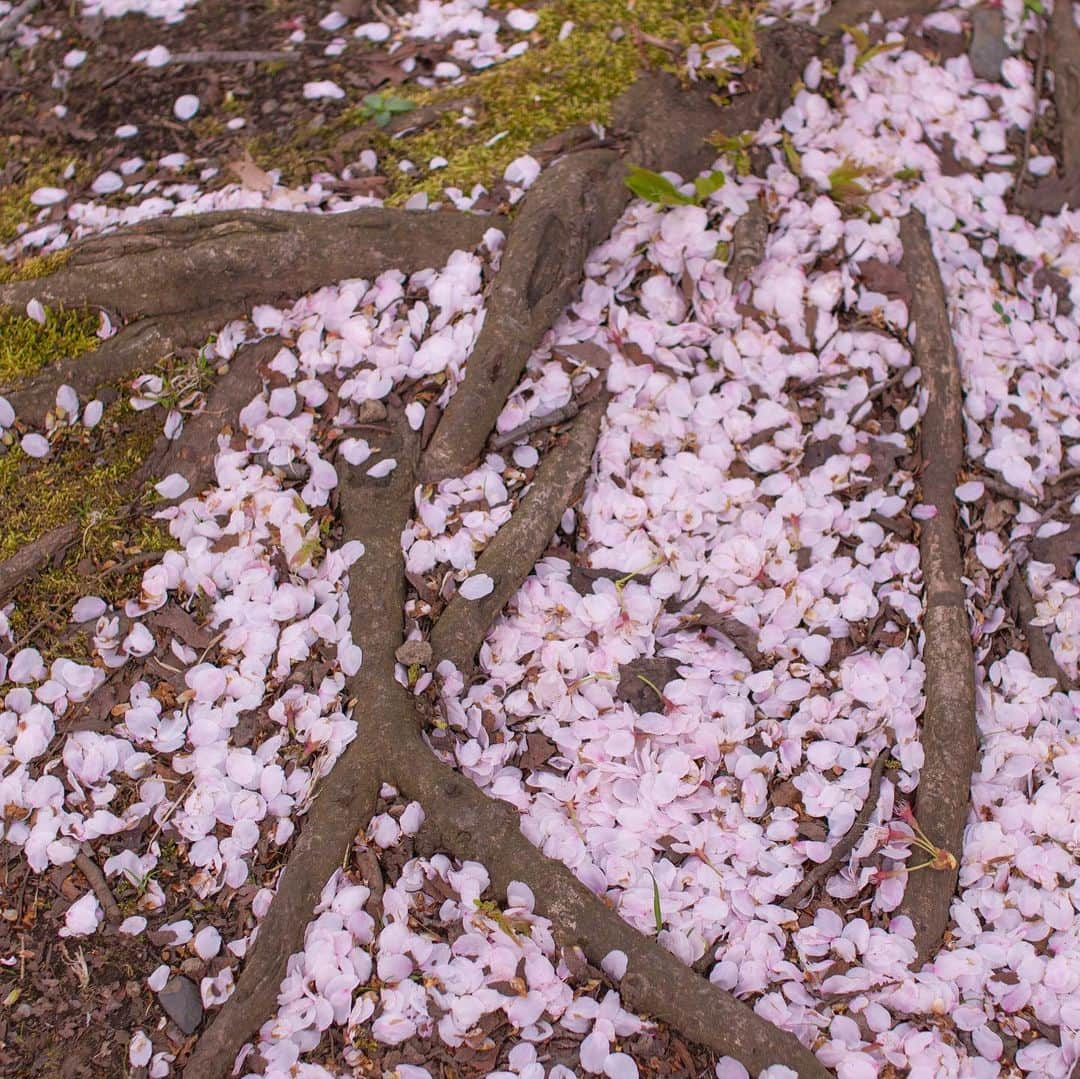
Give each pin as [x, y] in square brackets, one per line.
[33, 169]
[26, 346]
[556, 85]
[88, 479]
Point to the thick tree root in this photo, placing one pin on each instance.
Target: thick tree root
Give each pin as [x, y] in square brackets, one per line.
[374, 512]
[134, 349]
[177, 279]
[509, 558]
[573, 206]
[948, 724]
[1053, 193]
[233, 259]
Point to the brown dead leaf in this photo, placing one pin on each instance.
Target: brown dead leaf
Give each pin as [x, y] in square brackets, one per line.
[249, 174]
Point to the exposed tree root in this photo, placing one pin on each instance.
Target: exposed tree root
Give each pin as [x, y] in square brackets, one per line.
[1051, 194]
[573, 206]
[821, 873]
[176, 279]
[509, 558]
[1039, 651]
[233, 259]
[36, 556]
[748, 244]
[134, 349]
[374, 512]
[948, 723]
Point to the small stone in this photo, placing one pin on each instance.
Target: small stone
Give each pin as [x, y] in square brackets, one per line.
[988, 49]
[181, 1003]
[414, 652]
[370, 412]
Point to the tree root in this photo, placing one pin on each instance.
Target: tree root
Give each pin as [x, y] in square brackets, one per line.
[31, 559]
[463, 820]
[1039, 651]
[135, 349]
[1051, 194]
[575, 204]
[374, 512]
[176, 279]
[948, 726]
[509, 558]
[821, 873]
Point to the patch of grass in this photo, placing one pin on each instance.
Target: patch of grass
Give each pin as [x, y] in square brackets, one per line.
[27, 347]
[554, 86]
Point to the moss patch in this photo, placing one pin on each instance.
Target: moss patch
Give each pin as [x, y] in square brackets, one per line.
[30, 268]
[37, 171]
[88, 479]
[554, 86]
[27, 347]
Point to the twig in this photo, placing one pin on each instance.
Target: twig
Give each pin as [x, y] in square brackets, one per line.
[96, 879]
[233, 56]
[847, 842]
[537, 423]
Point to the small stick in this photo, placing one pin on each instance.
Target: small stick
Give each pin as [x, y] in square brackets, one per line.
[96, 879]
[843, 848]
[1040, 654]
[232, 56]
[537, 423]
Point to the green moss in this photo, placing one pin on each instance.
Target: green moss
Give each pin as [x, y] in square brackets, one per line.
[30, 268]
[88, 479]
[554, 86]
[26, 346]
[38, 171]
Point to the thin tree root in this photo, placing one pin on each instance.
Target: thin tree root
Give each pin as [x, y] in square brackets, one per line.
[948, 724]
[1039, 651]
[821, 873]
[1054, 192]
[509, 558]
[31, 559]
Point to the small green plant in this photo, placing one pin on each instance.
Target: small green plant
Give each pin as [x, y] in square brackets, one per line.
[382, 108]
[866, 52]
[738, 147]
[658, 914]
[844, 183]
[1033, 7]
[652, 187]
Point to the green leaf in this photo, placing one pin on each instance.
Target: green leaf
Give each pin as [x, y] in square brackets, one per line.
[706, 185]
[658, 914]
[907, 173]
[652, 187]
[858, 36]
[1035, 7]
[792, 155]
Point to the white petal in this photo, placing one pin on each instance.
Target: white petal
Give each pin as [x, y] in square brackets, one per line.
[476, 587]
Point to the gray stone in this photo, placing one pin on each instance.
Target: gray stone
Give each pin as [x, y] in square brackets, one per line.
[988, 49]
[182, 1004]
[413, 652]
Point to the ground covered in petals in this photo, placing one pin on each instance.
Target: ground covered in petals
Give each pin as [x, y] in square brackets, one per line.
[708, 698]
